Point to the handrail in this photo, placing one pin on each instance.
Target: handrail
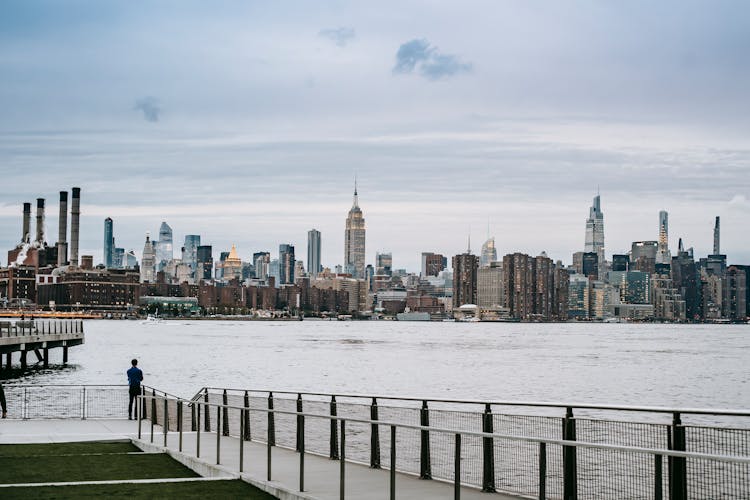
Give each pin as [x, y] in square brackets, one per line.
[544, 404]
[561, 442]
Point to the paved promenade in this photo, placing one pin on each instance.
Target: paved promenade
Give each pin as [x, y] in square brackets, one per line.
[321, 473]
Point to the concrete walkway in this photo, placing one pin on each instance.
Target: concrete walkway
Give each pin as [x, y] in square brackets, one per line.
[321, 474]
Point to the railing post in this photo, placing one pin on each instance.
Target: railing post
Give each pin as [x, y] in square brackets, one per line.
[198, 429]
[206, 410]
[298, 445]
[179, 423]
[658, 484]
[246, 434]
[334, 431]
[193, 423]
[271, 422]
[342, 464]
[678, 477]
[393, 463]
[374, 436]
[542, 471]
[153, 413]
[139, 402]
[83, 407]
[269, 448]
[488, 449]
[425, 467]
[242, 439]
[570, 472]
[143, 402]
[225, 414]
[457, 471]
[218, 435]
[302, 453]
[154, 418]
[25, 410]
[165, 424]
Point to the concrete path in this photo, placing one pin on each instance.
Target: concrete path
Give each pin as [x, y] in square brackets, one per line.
[321, 474]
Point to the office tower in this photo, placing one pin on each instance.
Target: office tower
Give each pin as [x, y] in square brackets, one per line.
[519, 273]
[148, 261]
[578, 262]
[490, 286]
[164, 252]
[205, 263]
[190, 254]
[232, 265]
[313, 252]
[619, 263]
[685, 277]
[590, 265]
[489, 253]
[717, 246]
[286, 264]
[643, 256]
[354, 240]
[465, 268]
[595, 232]
[433, 263]
[384, 263]
[662, 252]
[261, 261]
[578, 296]
[274, 271]
[109, 243]
[737, 293]
[130, 261]
[118, 258]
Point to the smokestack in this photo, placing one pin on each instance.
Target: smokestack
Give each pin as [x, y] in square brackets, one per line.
[717, 247]
[40, 220]
[25, 236]
[75, 215]
[62, 233]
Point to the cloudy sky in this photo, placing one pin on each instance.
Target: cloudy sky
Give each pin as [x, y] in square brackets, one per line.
[246, 122]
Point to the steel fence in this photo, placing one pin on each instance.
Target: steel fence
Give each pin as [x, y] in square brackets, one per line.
[67, 401]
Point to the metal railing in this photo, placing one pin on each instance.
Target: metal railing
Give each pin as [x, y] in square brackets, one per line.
[428, 456]
[67, 401]
[20, 328]
[664, 473]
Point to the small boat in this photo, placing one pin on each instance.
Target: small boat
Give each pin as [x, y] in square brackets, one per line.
[152, 319]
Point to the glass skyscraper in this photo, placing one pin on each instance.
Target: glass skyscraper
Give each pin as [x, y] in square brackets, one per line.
[313, 252]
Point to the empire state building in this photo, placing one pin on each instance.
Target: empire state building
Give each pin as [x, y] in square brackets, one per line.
[354, 240]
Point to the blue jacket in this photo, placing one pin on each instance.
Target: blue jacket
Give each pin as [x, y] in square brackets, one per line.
[135, 375]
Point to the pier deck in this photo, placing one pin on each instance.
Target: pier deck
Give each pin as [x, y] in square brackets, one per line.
[321, 473]
[39, 337]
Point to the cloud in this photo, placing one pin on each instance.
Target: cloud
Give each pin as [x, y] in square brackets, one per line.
[419, 55]
[340, 36]
[149, 106]
[739, 201]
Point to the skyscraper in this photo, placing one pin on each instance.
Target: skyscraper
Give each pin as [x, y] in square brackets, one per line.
[354, 240]
[313, 252]
[662, 253]
[109, 243]
[190, 255]
[489, 253]
[384, 263]
[433, 263]
[205, 263]
[717, 246]
[286, 264]
[261, 261]
[595, 232]
[148, 261]
[164, 251]
[465, 267]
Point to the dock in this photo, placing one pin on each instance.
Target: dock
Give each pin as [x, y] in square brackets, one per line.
[38, 336]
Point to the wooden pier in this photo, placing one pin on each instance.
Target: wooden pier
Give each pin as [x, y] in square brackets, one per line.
[38, 336]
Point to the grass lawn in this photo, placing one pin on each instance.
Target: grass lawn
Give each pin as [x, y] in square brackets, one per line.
[190, 490]
[27, 450]
[53, 469]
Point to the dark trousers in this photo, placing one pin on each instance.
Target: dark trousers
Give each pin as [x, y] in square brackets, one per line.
[135, 390]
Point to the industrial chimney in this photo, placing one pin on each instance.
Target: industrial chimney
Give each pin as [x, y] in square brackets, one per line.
[40, 220]
[62, 233]
[75, 215]
[26, 223]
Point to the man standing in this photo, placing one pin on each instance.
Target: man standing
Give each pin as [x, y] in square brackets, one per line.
[135, 376]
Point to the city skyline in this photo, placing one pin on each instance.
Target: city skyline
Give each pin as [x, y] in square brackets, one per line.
[518, 123]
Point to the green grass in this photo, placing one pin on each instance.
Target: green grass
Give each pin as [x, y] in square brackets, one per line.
[189, 490]
[54, 469]
[28, 450]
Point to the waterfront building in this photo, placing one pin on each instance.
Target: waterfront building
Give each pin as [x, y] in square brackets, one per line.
[602, 296]
[205, 263]
[148, 261]
[286, 264]
[190, 253]
[490, 294]
[489, 253]
[109, 243]
[519, 274]
[354, 240]
[668, 303]
[736, 293]
[112, 290]
[433, 264]
[634, 286]
[313, 252]
[384, 263]
[595, 233]
[465, 267]
[164, 250]
[663, 255]
[232, 265]
[578, 296]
